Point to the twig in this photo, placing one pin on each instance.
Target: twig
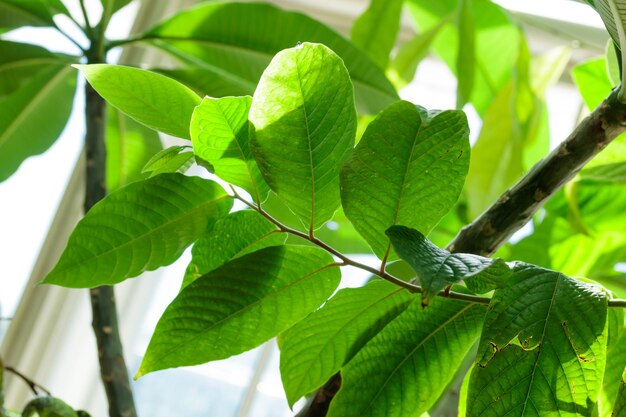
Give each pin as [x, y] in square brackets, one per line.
[34, 387]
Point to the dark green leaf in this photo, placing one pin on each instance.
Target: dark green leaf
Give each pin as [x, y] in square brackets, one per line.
[17, 13]
[170, 160]
[407, 366]
[129, 146]
[232, 43]
[241, 305]
[140, 227]
[228, 238]
[543, 348]
[33, 116]
[152, 99]
[305, 124]
[219, 132]
[437, 268]
[375, 31]
[408, 168]
[317, 347]
[48, 407]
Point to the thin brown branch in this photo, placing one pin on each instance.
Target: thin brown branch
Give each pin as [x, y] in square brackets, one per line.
[517, 205]
[36, 388]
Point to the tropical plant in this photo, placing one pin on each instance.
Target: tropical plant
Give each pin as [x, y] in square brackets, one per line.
[535, 331]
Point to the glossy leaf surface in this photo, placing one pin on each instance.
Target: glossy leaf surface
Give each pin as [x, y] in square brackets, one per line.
[241, 305]
[228, 238]
[407, 366]
[317, 347]
[543, 348]
[140, 227]
[408, 169]
[152, 99]
[305, 124]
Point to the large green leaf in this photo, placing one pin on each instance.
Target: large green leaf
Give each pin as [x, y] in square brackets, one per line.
[220, 132]
[496, 43]
[437, 268]
[375, 31]
[230, 237]
[16, 13]
[33, 116]
[305, 124]
[407, 366]
[619, 410]
[152, 99]
[408, 169]
[317, 347]
[241, 305]
[232, 43]
[615, 363]
[129, 146]
[140, 227]
[543, 348]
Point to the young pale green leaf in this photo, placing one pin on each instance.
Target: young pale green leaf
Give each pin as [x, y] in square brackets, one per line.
[170, 160]
[404, 369]
[231, 44]
[17, 13]
[466, 59]
[592, 81]
[129, 146]
[152, 99]
[619, 410]
[140, 227]
[33, 116]
[48, 407]
[543, 348]
[241, 305]
[317, 347]
[231, 237]
[408, 168]
[219, 133]
[375, 31]
[304, 128]
[437, 268]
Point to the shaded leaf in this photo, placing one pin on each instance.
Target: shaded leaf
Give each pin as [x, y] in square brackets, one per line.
[170, 160]
[407, 366]
[241, 305]
[619, 410]
[375, 31]
[437, 268]
[33, 116]
[305, 124]
[232, 44]
[317, 347]
[48, 407]
[543, 347]
[17, 13]
[152, 99]
[408, 169]
[230, 237]
[219, 133]
[140, 227]
[615, 362]
[129, 146]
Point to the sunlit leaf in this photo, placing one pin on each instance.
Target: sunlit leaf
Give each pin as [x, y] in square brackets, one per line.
[375, 31]
[170, 160]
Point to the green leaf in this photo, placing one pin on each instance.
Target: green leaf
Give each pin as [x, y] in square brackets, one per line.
[408, 168]
[612, 62]
[241, 305]
[614, 172]
[140, 227]
[129, 146]
[109, 7]
[17, 13]
[543, 348]
[231, 237]
[232, 43]
[620, 404]
[375, 31]
[33, 116]
[592, 81]
[317, 347]
[170, 160]
[466, 59]
[437, 268]
[407, 366]
[615, 362]
[219, 133]
[152, 99]
[48, 407]
[305, 124]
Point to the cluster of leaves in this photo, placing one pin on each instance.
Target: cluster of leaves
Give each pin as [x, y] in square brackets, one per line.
[547, 343]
